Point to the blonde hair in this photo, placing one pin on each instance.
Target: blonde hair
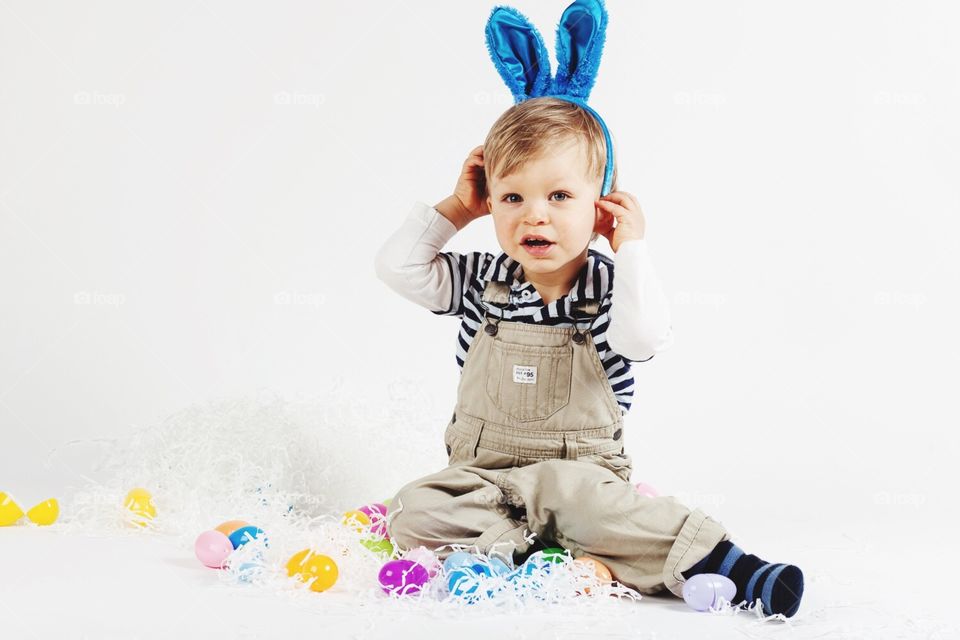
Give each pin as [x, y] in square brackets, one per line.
[527, 129]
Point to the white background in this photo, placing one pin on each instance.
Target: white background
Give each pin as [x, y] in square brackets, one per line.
[192, 194]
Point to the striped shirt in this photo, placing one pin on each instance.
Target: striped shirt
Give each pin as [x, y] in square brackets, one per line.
[448, 283]
[594, 282]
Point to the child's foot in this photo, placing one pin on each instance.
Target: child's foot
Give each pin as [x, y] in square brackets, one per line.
[779, 586]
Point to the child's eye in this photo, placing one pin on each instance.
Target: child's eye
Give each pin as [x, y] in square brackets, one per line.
[509, 197]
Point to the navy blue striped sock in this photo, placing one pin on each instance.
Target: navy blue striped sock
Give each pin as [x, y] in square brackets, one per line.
[779, 586]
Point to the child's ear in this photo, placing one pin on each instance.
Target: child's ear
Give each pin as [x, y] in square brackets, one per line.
[489, 204]
[598, 218]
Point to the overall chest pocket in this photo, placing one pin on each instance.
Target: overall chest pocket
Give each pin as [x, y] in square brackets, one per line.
[529, 382]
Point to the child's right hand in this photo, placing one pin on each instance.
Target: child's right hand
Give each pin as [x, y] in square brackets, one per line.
[469, 199]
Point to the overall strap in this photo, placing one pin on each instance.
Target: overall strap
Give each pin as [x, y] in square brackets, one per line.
[497, 295]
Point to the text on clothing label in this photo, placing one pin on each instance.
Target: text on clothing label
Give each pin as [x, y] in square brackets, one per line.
[525, 375]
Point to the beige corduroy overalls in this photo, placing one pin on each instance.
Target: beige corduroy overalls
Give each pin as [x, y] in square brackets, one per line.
[535, 445]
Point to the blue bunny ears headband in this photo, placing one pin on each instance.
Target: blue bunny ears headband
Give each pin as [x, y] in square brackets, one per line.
[521, 59]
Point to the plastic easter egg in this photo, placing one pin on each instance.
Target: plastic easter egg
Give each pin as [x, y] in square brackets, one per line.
[317, 570]
[462, 581]
[140, 503]
[212, 548]
[44, 513]
[705, 590]
[425, 558]
[499, 567]
[542, 560]
[535, 566]
[554, 554]
[246, 534]
[463, 571]
[377, 514]
[228, 527]
[592, 566]
[645, 489]
[247, 571]
[387, 502]
[380, 546]
[358, 520]
[403, 577]
[459, 559]
[10, 511]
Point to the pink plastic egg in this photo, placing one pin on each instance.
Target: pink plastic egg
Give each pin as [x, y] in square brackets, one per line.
[212, 548]
[645, 490]
[377, 512]
[426, 558]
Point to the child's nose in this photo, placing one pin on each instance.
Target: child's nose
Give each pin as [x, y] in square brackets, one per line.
[536, 212]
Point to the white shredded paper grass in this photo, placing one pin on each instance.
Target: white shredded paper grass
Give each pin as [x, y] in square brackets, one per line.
[292, 468]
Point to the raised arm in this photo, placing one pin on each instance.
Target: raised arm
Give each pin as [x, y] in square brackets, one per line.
[410, 262]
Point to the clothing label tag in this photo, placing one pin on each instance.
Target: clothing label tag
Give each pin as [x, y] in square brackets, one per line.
[525, 375]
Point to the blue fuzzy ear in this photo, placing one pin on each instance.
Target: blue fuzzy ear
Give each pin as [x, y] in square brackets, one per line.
[518, 53]
[580, 36]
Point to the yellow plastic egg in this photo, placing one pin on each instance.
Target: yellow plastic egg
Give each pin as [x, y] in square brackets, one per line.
[140, 502]
[10, 511]
[356, 518]
[44, 513]
[318, 570]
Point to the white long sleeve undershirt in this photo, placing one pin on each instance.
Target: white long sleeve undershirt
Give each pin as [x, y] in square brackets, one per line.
[410, 264]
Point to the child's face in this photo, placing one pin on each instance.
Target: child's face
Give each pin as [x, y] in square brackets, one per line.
[551, 196]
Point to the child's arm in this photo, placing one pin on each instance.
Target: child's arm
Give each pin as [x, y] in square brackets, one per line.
[638, 311]
[410, 262]
[640, 324]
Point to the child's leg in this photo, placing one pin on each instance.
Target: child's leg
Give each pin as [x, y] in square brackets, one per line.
[647, 543]
[779, 586]
[457, 505]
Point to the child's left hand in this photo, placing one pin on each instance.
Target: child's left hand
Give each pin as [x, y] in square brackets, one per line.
[623, 207]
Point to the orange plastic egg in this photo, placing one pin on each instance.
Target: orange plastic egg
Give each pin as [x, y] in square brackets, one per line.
[598, 568]
[230, 526]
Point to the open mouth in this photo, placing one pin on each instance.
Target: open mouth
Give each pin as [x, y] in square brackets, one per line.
[534, 240]
[537, 246]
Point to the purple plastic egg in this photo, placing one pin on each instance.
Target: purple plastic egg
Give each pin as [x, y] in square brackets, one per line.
[704, 590]
[212, 548]
[377, 512]
[403, 577]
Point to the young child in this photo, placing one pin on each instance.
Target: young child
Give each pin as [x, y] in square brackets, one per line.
[535, 442]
